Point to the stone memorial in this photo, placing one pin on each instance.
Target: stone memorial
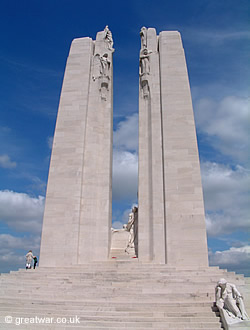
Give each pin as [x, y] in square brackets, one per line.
[154, 272]
[171, 224]
[77, 217]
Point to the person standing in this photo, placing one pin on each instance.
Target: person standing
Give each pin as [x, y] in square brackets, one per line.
[29, 258]
[35, 261]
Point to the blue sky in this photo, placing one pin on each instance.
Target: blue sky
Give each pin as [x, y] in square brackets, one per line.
[35, 40]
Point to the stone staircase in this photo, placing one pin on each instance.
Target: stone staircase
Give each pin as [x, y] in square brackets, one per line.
[113, 295]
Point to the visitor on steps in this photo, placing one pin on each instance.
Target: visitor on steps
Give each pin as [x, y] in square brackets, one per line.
[35, 261]
[29, 258]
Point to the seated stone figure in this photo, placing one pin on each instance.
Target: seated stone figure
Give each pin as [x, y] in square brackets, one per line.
[230, 302]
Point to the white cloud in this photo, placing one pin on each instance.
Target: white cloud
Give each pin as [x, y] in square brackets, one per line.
[227, 122]
[125, 159]
[216, 37]
[226, 194]
[8, 242]
[117, 225]
[21, 212]
[6, 162]
[37, 184]
[125, 173]
[234, 258]
[126, 134]
[50, 141]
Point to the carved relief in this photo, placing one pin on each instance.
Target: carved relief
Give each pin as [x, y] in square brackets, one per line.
[143, 35]
[144, 62]
[101, 63]
[144, 69]
[108, 38]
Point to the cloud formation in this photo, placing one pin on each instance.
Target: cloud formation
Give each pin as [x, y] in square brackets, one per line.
[226, 192]
[6, 162]
[126, 134]
[233, 259]
[21, 212]
[216, 37]
[50, 141]
[125, 159]
[125, 175]
[226, 124]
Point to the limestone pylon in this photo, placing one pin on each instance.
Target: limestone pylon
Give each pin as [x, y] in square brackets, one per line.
[77, 218]
[171, 211]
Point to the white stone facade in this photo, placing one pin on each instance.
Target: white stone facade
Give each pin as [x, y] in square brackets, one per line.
[77, 218]
[171, 211]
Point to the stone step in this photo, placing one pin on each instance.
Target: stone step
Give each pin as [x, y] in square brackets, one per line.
[122, 276]
[36, 273]
[97, 327]
[116, 285]
[78, 293]
[167, 295]
[119, 272]
[23, 310]
[118, 264]
[120, 295]
[70, 327]
[142, 274]
[123, 268]
[174, 291]
[104, 298]
[120, 279]
[116, 282]
[124, 325]
[90, 304]
[190, 307]
[115, 318]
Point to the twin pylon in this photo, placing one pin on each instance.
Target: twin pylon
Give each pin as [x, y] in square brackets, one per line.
[77, 218]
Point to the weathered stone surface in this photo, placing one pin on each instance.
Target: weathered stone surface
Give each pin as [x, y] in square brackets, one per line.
[115, 295]
[171, 212]
[77, 218]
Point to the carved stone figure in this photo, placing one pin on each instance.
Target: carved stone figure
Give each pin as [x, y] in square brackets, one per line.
[108, 38]
[131, 227]
[143, 35]
[105, 65]
[144, 71]
[144, 62]
[101, 66]
[101, 71]
[229, 302]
